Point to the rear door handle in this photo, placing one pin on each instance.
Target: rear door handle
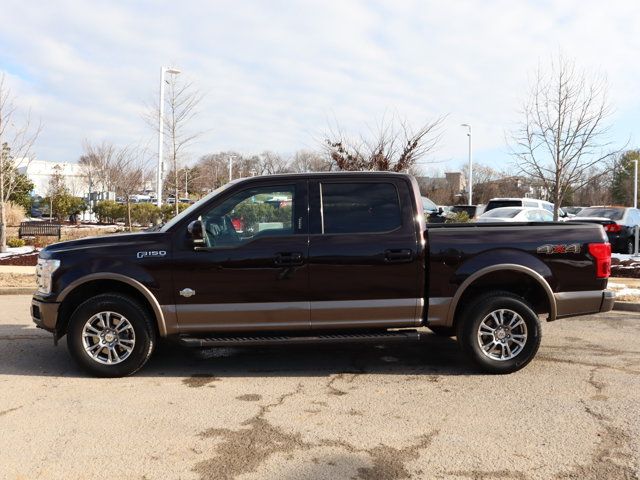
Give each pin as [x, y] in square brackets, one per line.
[288, 259]
[398, 256]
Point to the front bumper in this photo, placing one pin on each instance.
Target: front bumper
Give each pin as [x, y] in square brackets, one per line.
[44, 314]
[573, 304]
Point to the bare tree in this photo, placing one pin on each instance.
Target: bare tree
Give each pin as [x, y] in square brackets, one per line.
[307, 161]
[97, 166]
[394, 146]
[182, 101]
[563, 134]
[128, 174]
[270, 163]
[17, 137]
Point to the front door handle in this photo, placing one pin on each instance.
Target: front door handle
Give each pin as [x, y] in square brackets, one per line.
[398, 256]
[288, 259]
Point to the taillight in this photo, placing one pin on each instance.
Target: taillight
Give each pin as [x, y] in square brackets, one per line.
[601, 253]
[612, 228]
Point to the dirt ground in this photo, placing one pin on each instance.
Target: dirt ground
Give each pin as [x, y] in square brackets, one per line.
[18, 280]
[336, 412]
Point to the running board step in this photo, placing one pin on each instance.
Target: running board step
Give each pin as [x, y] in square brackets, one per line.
[239, 341]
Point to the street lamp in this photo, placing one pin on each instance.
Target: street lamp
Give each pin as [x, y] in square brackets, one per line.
[231, 157]
[468, 125]
[635, 204]
[163, 70]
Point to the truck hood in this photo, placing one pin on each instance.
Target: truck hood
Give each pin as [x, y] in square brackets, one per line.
[117, 240]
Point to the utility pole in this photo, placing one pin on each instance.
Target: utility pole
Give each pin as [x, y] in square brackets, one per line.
[635, 204]
[470, 187]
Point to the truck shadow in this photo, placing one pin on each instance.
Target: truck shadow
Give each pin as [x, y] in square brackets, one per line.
[29, 352]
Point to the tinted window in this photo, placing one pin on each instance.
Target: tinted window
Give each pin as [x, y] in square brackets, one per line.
[610, 213]
[548, 207]
[251, 213]
[502, 203]
[359, 207]
[530, 203]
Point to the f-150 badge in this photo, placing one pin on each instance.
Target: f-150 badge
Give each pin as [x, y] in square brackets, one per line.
[553, 249]
[151, 253]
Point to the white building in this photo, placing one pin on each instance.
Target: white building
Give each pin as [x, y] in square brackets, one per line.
[40, 171]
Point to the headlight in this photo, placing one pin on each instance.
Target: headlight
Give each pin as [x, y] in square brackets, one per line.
[44, 271]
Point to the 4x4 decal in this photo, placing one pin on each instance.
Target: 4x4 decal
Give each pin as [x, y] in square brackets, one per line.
[553, 249]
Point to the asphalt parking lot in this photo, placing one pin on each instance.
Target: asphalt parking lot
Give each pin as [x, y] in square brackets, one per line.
[362, 412]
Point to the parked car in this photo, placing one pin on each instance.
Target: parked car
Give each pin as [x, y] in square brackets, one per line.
[572, 211]
[523, 202]
[352, 260]
[619, 223]
[516, 214]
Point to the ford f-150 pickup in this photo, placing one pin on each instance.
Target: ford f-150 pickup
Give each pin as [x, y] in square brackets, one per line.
[331, 257]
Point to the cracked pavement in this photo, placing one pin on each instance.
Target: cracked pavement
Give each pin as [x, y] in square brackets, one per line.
[353, 412]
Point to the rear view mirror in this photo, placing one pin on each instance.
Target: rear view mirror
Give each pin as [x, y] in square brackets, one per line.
[195, 230]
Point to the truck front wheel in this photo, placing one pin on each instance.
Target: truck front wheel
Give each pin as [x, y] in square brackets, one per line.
[111, 335]
[500, 332]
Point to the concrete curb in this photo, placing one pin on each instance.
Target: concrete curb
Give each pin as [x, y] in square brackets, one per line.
[17, 290]
[627, 306]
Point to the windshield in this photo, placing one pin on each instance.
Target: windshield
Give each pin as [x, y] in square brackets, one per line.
[503, 213]
[185, 213]
[428, 205]
[610, 213]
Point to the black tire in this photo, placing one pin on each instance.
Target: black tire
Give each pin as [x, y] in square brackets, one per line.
[479, 310]
[443, 331]
[139, 320]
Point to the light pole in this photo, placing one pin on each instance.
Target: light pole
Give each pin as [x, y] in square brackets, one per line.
[231, 157]
[468, 125]
[635, 204]
[163, 70]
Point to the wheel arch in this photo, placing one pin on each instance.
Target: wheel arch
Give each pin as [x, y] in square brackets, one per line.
[512, 278]
[81, 289]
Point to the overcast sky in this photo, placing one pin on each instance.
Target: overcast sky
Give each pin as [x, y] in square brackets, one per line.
[277, 74]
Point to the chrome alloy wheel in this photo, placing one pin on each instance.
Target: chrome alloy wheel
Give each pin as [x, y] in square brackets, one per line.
[108, 338]
[502, 334]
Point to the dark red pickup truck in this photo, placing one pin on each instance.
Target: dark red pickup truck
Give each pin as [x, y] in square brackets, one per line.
[339, 257]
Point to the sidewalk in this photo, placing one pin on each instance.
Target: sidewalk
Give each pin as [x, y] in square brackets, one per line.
[28, 270]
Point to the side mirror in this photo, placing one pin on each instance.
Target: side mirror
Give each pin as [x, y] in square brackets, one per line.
[440, 210]
[195, 230]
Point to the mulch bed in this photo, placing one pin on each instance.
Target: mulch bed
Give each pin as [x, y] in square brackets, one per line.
[26, 260]
[625, 268]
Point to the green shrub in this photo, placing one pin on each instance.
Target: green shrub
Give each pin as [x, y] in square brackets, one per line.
[145, 213]
[109, 211]
[65, 204]
[15, 242]
[459, 217]
[169, 210]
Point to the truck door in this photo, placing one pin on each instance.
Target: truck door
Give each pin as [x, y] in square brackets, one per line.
[250, 273]
[363, 254]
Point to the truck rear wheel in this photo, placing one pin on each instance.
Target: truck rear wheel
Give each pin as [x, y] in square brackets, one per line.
[111, 335]
[500, 332]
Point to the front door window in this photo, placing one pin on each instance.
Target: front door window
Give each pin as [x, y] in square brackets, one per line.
[249, 215]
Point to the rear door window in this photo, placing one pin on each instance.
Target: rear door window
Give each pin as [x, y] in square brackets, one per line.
[503, 203]
[359, 208]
